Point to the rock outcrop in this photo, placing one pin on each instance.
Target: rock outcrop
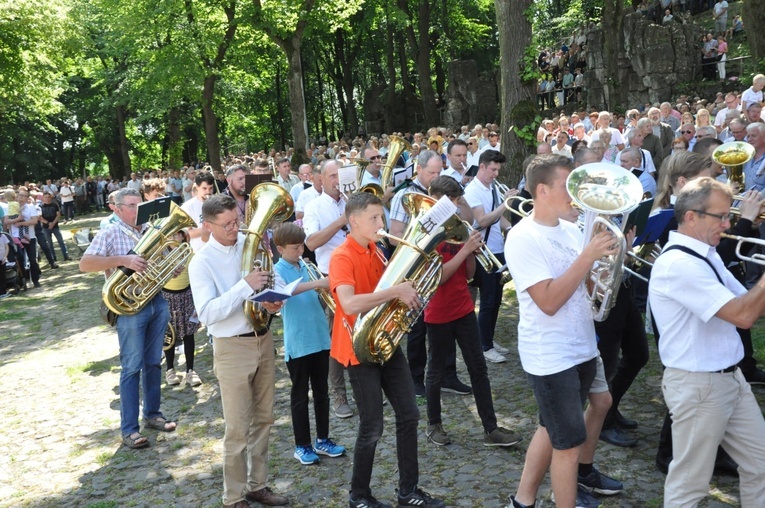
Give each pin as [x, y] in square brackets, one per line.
[653, 60]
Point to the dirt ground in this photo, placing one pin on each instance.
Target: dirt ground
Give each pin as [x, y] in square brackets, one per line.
[60, 443]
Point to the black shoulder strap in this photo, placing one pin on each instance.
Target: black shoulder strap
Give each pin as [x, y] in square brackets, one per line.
[695, 254]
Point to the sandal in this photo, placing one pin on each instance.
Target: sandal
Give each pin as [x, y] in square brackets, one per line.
[135, 442]
[160, 423]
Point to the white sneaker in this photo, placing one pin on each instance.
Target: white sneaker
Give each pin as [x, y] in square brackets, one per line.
[493, 356]
[500, 349]
[192, 379]
[172, 378]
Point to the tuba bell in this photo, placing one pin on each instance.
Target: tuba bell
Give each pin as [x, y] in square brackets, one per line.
[269, 203]
[397, 146]
[377, 333]
[605, 192]
[733, 156]
[126, 292]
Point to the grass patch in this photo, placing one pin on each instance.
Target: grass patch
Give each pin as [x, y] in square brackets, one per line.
[99, 367]
[103, 458]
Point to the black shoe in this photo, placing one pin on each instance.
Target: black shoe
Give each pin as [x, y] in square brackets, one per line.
[37, 285]
[516, 504]
[420, 498]
[366, 502]
[724, 464]
[419, 387]
[623, 422]
[617, 437]
[756, 377]
[53, 265]
[67, 258]
[662, 463]
[456, 386]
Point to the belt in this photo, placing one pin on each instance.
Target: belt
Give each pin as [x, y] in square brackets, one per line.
[256, 333]
[727, 370]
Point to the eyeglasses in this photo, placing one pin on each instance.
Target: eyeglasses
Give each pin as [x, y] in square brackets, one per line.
[229, 226]
[376, 157]
[686, 132]
[722, 217]
[134, 205]
[737, 132]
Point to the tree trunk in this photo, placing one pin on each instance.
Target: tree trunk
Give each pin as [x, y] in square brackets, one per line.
[321, 128]
[517, 98]
[123, 143]
[174, 146]
[753, 14]
[210, 122]
[420, 45]
[390, 69]
[297, 100]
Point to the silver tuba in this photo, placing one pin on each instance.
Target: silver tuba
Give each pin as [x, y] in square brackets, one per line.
[606, 193]
[377, 333]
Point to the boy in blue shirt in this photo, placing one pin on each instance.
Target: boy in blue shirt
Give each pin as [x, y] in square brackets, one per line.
[306, 347]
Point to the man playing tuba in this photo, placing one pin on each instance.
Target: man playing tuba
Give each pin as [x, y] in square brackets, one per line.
[141, 334]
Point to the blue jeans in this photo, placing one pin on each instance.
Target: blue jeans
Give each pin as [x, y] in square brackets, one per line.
[369, 381]
[49, 233]
[140, 337]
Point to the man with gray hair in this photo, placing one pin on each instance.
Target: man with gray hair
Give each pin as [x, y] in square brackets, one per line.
[706, 131]
[631, 159]
[326, 227]
[697, 305]
[141, 334]
[663, 131]
[667, 117]
[735, 131]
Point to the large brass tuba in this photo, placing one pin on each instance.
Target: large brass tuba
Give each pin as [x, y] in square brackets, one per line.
[397, 146]
[377, 333]
[733, 156]
[605, 191]
[269, 203]
[126, 292]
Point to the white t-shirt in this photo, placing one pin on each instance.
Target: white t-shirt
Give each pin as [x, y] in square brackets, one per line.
[305, 197]
[27, 212]
[477, 194]
[549, 344]
[193, 207]
[3, 248]
[749, 96]
[67, 194]
[616, 136]
[319, 214]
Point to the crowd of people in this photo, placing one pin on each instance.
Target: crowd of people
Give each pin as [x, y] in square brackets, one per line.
[668, 147]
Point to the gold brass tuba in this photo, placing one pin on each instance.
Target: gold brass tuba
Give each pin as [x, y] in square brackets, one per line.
[397, 146]
[314, 274]
[733, 156]
[269, 203]
[126, 292]
[602, 191]
[377, 333]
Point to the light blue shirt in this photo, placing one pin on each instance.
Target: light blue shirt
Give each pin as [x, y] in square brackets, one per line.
[751, 179]
[305, 325]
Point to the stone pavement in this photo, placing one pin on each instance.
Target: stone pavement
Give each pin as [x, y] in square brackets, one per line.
[60, 445]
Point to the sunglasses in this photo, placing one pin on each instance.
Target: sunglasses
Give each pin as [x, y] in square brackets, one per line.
[686, 132]
[374, 158]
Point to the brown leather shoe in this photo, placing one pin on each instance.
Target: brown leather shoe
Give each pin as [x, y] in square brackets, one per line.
[238, 504]
[267, 497]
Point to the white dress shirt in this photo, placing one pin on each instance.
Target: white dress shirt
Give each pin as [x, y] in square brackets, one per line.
[305, 197]
[193, 207]
[685, 295]
[319, 214]
[476, 193]
[218, 288]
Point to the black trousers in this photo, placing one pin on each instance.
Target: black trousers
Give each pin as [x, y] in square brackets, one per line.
[416, 353]
[622, 332]
[369, 381]
[490, 290]
[311, 369]
[463, 331]
[30, 251]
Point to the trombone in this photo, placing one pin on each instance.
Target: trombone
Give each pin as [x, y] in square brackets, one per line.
[489, 261]
[756, 257]
[522, 211]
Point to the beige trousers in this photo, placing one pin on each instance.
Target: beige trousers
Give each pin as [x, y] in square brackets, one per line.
[711, 409]
[245, 368]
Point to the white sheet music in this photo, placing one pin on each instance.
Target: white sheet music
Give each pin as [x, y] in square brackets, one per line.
[347, 177]
[401, 174]
[438, 214]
